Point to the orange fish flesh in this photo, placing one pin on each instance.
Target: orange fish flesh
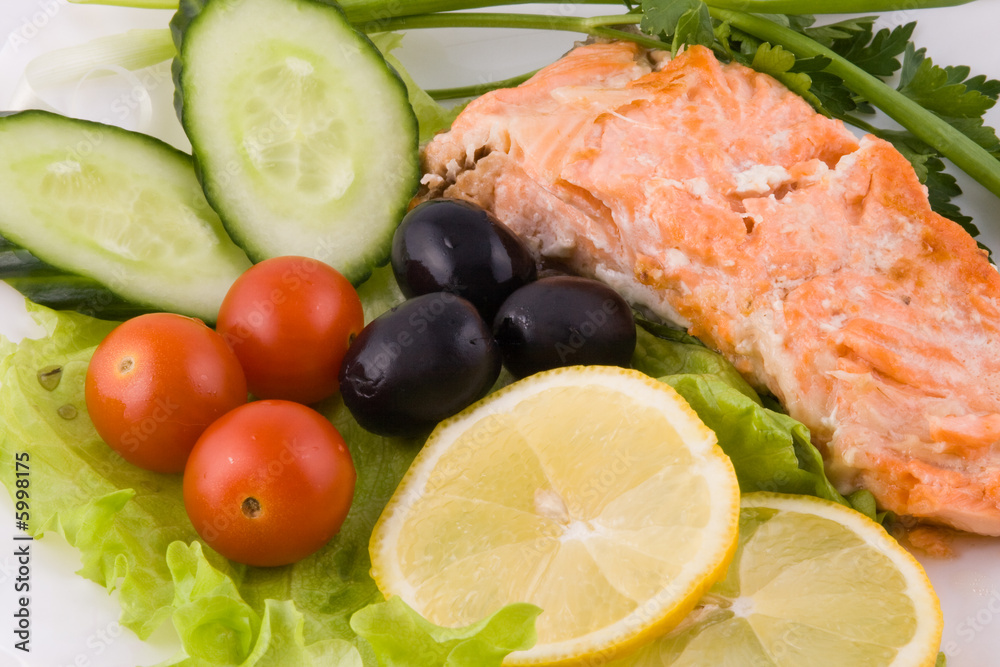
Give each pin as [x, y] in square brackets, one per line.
[715, 198]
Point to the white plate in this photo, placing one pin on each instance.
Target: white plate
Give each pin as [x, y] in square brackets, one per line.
[73, 621]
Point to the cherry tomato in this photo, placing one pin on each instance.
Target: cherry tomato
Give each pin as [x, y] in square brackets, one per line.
[269, 483]
[155, 383]
[290, 320]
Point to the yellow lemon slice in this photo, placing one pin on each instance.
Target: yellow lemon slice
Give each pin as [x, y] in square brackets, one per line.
[813, 584]
[592, 492]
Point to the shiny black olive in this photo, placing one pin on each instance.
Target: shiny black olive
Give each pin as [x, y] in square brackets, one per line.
[417, 364]
[449, 245]
[564, 321]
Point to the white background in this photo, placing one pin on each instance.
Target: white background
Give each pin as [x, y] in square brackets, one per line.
[74, 621]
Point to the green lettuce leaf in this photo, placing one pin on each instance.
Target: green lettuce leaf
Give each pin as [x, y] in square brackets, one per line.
[662, 350]
[134, 535]
[769, 450]
[402, 638]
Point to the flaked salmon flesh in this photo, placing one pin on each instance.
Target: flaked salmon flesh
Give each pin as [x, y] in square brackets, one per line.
[712, 196]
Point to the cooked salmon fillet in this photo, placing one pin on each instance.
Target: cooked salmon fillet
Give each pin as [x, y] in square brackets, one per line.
[710, 195]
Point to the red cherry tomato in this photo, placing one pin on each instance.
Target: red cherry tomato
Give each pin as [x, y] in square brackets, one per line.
[290, 320]
[155, 383]
[269, 483]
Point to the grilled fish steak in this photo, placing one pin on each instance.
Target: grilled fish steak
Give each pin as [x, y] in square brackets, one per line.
[714, 197]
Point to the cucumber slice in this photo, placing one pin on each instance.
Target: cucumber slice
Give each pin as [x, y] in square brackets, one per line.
[71, 292]
[16, 262]
[305, 139]
[54, 288]
[117, 207]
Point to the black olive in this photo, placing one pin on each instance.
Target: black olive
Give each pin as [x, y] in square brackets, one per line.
[417, 364]
[449, 245]
[564, 321]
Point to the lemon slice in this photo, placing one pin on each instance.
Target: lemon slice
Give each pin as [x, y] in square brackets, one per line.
[592, 492]
[813, 584]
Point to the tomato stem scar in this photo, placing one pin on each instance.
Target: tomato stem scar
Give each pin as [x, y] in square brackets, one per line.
[125, 365]
[251, 508]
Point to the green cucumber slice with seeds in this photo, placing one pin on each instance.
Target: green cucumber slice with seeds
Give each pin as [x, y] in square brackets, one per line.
[305, 140]
[119, 210]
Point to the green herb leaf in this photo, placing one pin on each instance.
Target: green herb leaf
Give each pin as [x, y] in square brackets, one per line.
[663, 350]
[830, 33]
[694, 27]
[876, 54]
[780, 64]
[403, 638]
[772, 60]
[946, 91]
[660, 18]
